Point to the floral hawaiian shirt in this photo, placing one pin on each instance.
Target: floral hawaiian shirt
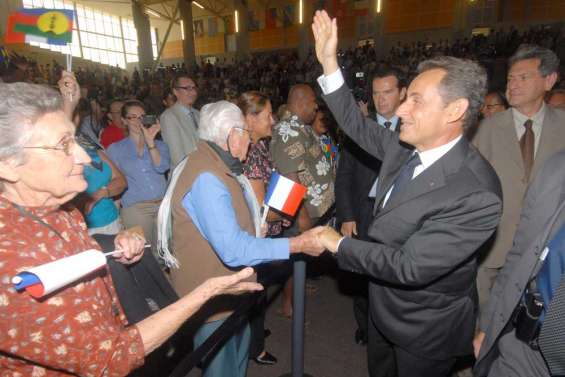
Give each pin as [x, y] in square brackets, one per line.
[295, 149]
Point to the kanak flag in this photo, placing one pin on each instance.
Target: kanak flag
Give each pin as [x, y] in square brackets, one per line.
[51, 26]
[284, 194]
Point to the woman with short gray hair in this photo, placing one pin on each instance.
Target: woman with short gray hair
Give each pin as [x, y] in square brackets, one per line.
[81, 329]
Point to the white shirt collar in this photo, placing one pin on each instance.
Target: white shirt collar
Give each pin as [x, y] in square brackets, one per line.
[381, 120]
[432, 155]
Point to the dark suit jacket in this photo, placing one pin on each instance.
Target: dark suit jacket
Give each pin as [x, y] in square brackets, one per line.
[356, 173]
[423, 258]
[543, 214]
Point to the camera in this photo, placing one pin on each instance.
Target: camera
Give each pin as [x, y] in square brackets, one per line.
[148, 120]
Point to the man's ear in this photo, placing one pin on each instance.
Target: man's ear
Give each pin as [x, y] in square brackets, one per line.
[549, 81]
[402, 94]
[9, 171]
[456, 110]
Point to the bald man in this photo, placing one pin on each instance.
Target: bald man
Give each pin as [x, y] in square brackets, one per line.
[297, 154]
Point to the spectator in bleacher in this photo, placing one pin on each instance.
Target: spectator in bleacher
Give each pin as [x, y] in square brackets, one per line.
[180, 122]
[216, 227]
[144, 161]
[556, 99]
[92, 124]
[115, 130]
[495, 102]
[153, 101]
[517, 142]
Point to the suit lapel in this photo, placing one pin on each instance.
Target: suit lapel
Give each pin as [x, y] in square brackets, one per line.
[431, 179]
[387, 177]
[549, 138]
[507, 139]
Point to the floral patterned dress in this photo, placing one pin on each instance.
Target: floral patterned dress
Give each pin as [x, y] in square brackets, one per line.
[78, 330]
[259, 166]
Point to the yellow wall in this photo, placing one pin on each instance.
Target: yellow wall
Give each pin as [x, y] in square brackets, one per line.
[278, 38]
[414, 15]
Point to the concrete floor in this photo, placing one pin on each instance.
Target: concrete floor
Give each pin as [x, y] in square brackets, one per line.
[330, 350]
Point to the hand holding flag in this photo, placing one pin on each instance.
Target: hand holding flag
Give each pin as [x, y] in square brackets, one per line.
[284, 195]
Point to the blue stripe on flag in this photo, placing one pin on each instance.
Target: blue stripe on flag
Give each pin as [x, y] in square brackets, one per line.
[272, 185]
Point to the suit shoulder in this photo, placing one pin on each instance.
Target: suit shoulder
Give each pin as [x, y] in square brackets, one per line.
[480, 173]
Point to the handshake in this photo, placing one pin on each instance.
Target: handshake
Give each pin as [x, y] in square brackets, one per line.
[315, 241]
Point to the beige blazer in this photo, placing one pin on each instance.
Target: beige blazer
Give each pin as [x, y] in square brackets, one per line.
[496, 139]
[179, 132]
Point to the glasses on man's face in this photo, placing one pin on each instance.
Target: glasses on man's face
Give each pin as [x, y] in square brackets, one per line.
[188, 88]
[66, 145]
[243, 130]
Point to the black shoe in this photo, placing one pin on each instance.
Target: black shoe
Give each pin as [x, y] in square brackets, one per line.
[267, 333]
[266, 359]
[360, 337]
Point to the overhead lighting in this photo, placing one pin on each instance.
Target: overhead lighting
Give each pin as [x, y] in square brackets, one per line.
[198, 4]
[182, 29]
[152, 13]
[379, 6]
[300, 10]
[236, 22]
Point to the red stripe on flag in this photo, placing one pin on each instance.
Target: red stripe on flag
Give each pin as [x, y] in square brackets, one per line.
[24, 18]
[12, 36]
[294, 199]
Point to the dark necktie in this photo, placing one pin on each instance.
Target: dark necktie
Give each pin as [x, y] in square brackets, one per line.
[405, 176]
[193, 117]
[527, 144]
[387, 125]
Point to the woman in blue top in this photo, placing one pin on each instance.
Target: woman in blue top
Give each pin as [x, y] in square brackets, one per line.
[105, 181]
[144, 161]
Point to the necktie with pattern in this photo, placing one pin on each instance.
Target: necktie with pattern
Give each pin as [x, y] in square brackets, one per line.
[527, 144]
[405, 176]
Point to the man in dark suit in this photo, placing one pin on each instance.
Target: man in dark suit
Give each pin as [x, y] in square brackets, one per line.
[435, 205]
[499, 352]
[356, 180]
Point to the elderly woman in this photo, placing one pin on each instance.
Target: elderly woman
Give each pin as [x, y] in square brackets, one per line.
[79, 330]
[216, 226]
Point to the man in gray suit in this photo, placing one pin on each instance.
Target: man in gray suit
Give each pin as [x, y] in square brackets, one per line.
[436, 203]
[517, 142]
[498, 350]
[179, 123]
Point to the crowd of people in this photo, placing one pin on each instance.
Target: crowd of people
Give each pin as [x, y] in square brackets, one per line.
[447, 187]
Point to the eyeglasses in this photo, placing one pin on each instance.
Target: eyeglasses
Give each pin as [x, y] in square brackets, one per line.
[242, 130]
[493, 105]
[188, 88]
[134, 117]
[66, 145]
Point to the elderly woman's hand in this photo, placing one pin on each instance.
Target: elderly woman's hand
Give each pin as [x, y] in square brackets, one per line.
[131, 245]
[69, 88]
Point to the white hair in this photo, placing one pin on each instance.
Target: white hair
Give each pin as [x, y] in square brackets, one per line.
[217, 119]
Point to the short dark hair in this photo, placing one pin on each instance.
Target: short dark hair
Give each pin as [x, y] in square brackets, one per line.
[131, 103]
[177, 77]
[389, 71]
[501, 98]
[549, 62]
[463, 79]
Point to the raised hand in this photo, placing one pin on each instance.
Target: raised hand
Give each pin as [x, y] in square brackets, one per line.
[325, 37]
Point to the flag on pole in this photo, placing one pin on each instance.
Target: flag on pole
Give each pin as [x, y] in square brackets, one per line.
[44, 279]
[51, 26]
[284, 194]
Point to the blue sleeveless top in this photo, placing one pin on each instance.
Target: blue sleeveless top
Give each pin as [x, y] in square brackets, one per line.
[97, 175]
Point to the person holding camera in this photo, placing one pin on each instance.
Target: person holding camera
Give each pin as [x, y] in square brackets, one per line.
[144, 161]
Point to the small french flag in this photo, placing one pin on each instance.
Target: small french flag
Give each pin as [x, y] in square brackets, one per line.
[284, 194]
